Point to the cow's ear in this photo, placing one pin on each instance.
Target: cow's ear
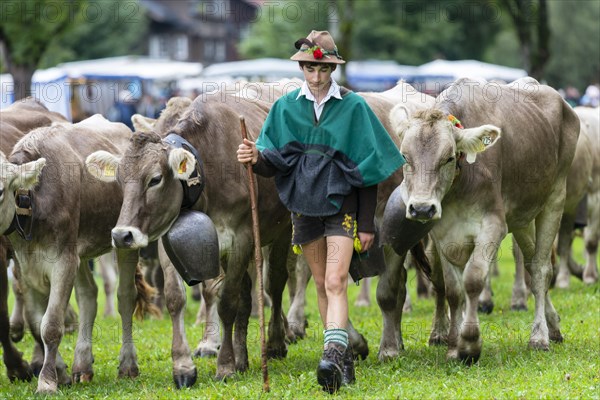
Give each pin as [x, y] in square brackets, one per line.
[182, 163]
[142, 123]
[475, 140]
[399, 116]
[102, 165]
[24, 176]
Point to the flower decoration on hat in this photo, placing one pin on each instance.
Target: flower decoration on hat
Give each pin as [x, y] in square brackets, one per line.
[317, 51]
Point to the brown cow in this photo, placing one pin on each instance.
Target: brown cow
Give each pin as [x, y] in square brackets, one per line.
[212, 126]
[15, 122]
[73, 217]
[584, 178]
[510, 186]
[12, 177]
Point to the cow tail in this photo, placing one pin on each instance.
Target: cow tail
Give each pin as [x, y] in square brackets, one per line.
[420, 258]
[144, 303]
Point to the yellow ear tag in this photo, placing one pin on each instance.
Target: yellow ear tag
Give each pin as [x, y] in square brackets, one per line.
[182, 166]
[108, 170]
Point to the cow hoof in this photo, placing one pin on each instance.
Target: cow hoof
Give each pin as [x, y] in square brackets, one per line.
[362, 303]
[21, 372]
[298, 329]
[519, 307]
[185, 380]
[485, 307]
[590, 279]
[64, 379]
[132, 372]
[387, 355]
[556, 337]
[438, 340]
[224, 374]
[205, 353]
[360, 348]
[539, 345]
[277, 353]
[45, 387]
[82, 377]
[468, 359]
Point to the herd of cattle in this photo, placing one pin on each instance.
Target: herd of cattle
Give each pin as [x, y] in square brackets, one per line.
[70, 192]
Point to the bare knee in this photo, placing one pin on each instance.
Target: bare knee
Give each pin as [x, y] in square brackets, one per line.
[336, 284]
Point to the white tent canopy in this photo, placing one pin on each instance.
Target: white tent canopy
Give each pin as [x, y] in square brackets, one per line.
[100, 81]
[470, 69]
[135, 67]
[49, 86]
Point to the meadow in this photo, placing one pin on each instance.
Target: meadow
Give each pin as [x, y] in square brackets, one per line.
[507, 368]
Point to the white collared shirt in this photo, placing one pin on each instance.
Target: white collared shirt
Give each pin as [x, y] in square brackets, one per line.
[334, 91]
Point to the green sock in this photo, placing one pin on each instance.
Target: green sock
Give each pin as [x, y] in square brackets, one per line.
[337, 336]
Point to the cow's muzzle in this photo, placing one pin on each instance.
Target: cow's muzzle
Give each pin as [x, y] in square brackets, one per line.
[128, 238]
[422, 212]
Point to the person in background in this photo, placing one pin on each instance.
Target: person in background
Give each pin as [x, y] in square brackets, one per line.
[123, 109]
[327, 151]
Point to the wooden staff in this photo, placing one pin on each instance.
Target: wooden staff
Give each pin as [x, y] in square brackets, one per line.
[259, 262]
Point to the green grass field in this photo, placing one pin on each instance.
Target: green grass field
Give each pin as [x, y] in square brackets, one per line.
[507, 368]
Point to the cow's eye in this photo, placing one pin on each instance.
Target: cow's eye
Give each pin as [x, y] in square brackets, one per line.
[155, 181]
[451, 159]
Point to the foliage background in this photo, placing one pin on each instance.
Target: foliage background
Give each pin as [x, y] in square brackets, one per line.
[409, 32]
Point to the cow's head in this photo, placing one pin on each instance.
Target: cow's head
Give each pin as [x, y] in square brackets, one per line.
[150, 174]
[13, 177]
[431, 145]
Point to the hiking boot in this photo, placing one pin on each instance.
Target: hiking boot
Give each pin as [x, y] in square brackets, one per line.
[329, 371]
[348, 376]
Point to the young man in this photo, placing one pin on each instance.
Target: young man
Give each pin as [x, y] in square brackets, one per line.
[327, 151]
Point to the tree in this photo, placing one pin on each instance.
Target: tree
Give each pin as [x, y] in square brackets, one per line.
[530, 18]
[42, 33]
[122, 27]
[27, 27]
[574, 43]
[279, 24]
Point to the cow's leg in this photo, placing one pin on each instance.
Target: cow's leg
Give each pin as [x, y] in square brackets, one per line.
[109, 276]
[53, 322]
[486, 301]
[17, 318]
[242, 319]
[295, 316]
[565, 239]
[277, 278]
[16, 366]
[254, 291]
[441, 324]
[591, 237]
[184, 370]
[474, 278]
[86, 293]
[520, 290]
[126, 296]
[456, 302]
[235, 267]
[538, 265]
[211, 339]
[364, 296]
[391, 293]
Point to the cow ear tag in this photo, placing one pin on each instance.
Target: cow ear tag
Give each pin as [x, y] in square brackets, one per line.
[487, 140]
[182, 166]
[108, 170]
